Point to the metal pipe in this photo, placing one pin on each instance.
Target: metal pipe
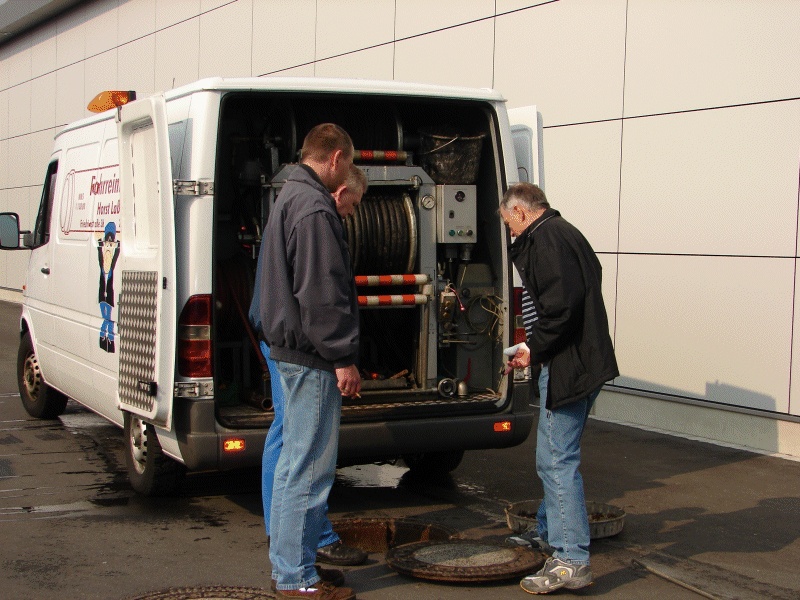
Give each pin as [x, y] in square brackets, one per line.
[368, 280]
[388, 155]
[392, 300]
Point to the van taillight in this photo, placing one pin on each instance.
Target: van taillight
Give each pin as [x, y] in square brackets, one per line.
[194, 337]
[519, 327]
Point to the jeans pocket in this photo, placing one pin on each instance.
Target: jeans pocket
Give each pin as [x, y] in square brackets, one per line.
[289, 370]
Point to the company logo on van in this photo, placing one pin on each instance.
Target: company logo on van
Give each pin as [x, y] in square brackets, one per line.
[98, 186]
[90, 199]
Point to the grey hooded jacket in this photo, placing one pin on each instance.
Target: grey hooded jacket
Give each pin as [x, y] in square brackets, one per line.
[308, 304]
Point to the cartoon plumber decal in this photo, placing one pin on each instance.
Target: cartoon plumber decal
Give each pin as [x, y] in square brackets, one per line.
[107, 254]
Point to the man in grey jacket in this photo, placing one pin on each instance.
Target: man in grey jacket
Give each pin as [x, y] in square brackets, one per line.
[309, 316]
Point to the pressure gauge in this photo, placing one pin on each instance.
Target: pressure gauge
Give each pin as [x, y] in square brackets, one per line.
[428, 201]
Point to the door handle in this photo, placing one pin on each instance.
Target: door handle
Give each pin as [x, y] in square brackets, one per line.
[46, 270]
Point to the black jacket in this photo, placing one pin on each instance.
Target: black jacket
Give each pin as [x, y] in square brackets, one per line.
[563, 277]
[308, 302]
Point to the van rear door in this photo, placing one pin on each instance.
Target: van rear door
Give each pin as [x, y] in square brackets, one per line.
[147, 263]
[526, 129]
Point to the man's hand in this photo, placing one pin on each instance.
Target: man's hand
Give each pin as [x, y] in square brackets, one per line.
[349, 381]
[521, 359]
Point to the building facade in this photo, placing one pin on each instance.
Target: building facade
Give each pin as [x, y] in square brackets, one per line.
[670, 137]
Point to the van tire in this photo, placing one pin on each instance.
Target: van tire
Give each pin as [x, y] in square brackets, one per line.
[150, 471]
[39, 399]
[433, 463]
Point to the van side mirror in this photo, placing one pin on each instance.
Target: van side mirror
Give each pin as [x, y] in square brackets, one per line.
[9, 231]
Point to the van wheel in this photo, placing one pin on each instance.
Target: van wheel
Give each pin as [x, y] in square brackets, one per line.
[38, 398]
[433, 463]
[151, 472]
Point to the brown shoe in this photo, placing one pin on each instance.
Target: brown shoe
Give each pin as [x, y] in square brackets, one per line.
[318, 591]
[332, 576]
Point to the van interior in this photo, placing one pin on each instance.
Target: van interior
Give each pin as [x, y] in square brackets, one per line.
[432, 333]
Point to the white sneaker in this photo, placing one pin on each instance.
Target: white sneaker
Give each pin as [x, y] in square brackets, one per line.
[557, 574]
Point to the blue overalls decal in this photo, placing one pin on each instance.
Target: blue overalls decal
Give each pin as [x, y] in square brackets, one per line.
[107, 254]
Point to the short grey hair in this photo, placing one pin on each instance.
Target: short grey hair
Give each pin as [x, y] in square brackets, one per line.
[530, 196]
[356, 179]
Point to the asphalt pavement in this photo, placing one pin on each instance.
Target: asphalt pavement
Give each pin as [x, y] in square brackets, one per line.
[701, 520]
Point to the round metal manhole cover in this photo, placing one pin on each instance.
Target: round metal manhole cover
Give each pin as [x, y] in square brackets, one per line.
[209, 593]
[463, 560]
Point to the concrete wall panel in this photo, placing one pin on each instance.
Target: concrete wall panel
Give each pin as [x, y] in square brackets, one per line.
[136, 18]
[172, 12]
[19, 103]
[226, 41]
[43, 50]
[712, 182]
[691, 54]
[136, 66]
[102, 26]
[71, 38]
[272, 51]
[70, 93]
[17, 62]
[712, 328]
[17, 163]
[43, 106]
[459, 56]
[344, 26]
[581, 175]
[375, 63]
[415, 17]
[177, 55]
[568, 58]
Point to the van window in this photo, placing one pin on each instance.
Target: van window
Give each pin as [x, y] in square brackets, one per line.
[41, 230]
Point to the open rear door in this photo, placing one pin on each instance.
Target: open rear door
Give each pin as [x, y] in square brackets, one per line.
[526, 129]
[147, 300]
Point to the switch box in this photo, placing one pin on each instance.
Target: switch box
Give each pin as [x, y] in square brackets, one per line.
[455, 214]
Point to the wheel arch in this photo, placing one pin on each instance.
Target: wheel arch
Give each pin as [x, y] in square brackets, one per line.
[24, 327]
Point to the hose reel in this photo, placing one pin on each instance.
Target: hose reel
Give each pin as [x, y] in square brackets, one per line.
[382, 235]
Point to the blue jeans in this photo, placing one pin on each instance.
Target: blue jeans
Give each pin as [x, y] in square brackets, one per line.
[272, 450]
[304, 473]
[561, 519]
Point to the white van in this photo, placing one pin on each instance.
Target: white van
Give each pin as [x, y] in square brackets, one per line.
[144, 250]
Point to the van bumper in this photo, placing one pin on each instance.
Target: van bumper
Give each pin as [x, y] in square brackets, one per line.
[201, 439]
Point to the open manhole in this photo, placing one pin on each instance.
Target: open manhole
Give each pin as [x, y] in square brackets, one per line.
[379, 535]
[464, 561]
[605, 520]
[209, 593]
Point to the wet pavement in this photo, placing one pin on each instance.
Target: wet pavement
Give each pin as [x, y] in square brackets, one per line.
[701, 520]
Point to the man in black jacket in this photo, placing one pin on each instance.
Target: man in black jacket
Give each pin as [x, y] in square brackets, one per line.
[568, 339]
[309, 317]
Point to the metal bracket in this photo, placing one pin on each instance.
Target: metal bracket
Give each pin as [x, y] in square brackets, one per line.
[181, 187]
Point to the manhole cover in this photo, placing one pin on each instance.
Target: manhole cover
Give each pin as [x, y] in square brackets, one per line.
[463, 560]
[209, 593]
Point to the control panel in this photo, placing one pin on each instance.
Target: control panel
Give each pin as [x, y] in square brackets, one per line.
[455, 214]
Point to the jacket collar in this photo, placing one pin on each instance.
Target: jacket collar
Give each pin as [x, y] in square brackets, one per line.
[524, 237]
[305, 174]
